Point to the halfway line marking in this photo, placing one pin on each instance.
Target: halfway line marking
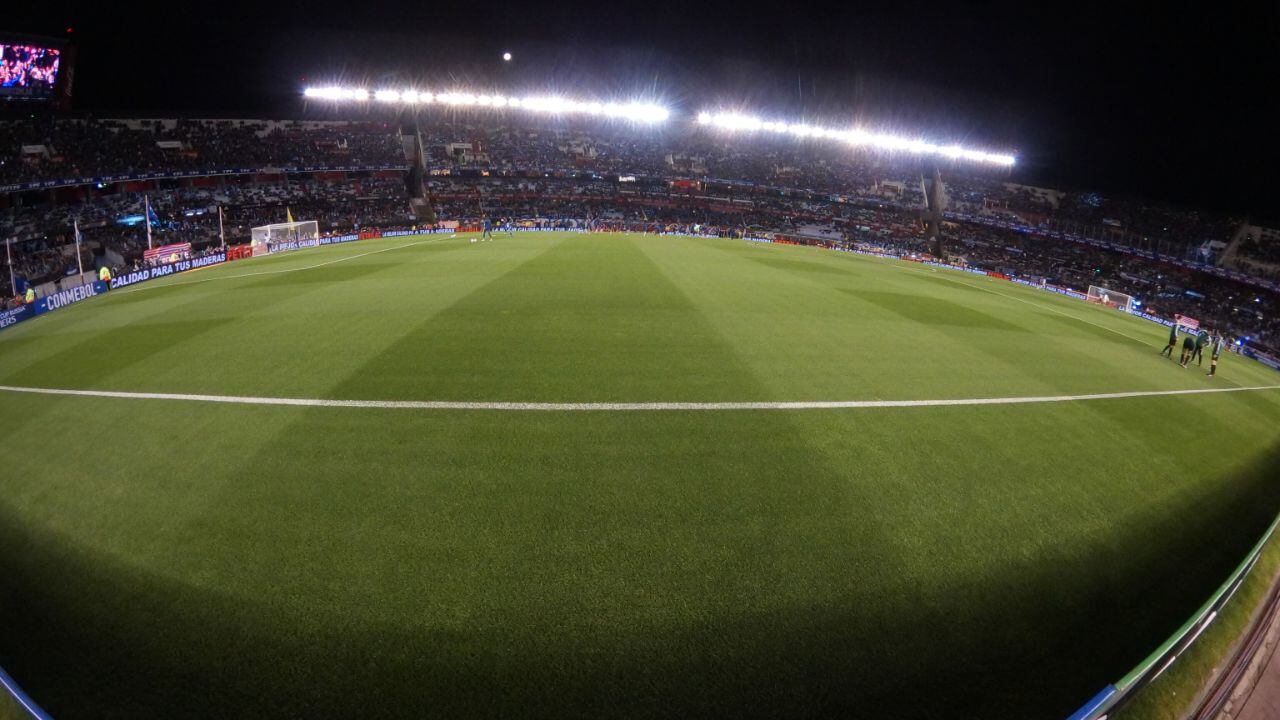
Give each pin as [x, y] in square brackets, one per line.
[618, 406]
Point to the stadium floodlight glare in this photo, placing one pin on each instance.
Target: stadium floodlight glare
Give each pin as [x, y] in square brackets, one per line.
[337, 93]
[550, 104]
[739, 122]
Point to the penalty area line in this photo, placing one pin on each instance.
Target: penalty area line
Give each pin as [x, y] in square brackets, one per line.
[616, 406]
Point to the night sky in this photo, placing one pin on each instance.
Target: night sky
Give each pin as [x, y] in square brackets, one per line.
[1175, 105]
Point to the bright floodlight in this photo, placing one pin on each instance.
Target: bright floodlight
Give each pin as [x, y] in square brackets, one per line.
[882, 141]
[506, 56]
[549, 104]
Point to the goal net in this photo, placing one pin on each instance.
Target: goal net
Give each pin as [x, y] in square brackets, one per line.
[279, 237]
[1110, 298]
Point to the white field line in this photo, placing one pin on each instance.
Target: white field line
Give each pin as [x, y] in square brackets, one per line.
[150, 286]
[1034, 304]
[615, 406]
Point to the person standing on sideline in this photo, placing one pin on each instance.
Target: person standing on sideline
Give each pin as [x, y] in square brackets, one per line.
[1218, 343]
[1173, 342]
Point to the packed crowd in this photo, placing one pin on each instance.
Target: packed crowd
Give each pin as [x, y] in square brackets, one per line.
[84, 148]
[27, 222]
[523, 144]
[600, 174]
[1263, 247]
[89, 148]
[44, 239]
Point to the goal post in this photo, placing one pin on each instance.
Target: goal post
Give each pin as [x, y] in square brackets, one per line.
[279, 237]
[1110, 298]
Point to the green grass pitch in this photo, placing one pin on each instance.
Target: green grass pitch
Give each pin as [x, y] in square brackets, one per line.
[173, 558]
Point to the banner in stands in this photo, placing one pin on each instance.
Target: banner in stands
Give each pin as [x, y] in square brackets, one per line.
[145, 274]
[172, 253]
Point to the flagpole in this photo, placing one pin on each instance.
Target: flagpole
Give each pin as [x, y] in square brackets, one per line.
[13, 281]
[221, 235]
[146, 216]
[79, 262]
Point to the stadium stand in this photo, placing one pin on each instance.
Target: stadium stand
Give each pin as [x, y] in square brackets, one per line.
[601, 176]
[45, 149]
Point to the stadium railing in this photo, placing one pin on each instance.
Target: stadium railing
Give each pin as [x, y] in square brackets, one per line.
[1114, 696]
[20, 699]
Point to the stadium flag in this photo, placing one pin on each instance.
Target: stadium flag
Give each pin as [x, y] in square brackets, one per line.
[1186, 322]
[288, 214]
[79, 262]
[146, 217]
[221, 235]
[13, 280]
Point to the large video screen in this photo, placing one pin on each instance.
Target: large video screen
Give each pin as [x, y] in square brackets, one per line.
[28, 72]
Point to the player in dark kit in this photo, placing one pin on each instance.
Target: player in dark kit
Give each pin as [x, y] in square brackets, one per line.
[1173, 342]
[488, 230]
[1218, 343]
[1202, 339]
[1188, 349]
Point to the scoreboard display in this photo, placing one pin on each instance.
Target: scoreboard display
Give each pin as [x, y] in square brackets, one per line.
[34, 69]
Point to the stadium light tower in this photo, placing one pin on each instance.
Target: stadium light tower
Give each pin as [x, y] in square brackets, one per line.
[855, 137]
[935, 204]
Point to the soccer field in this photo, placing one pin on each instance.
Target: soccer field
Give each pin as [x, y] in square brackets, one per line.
[225, 556]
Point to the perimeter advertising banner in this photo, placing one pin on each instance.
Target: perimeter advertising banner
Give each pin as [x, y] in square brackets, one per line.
[158, 271]
[71, 296]
[14, 316]
[76, 294]
[57, 300]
